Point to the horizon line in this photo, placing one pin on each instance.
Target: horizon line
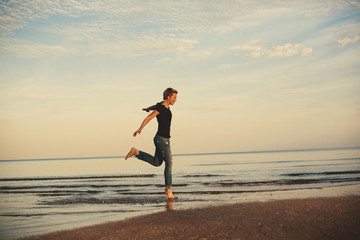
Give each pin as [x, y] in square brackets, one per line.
[184, 154]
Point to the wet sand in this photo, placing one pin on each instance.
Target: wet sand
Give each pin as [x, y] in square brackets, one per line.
[319, 218]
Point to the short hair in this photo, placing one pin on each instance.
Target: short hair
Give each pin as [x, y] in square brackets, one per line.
[168, 92]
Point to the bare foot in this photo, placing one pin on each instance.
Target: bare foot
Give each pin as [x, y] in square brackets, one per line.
[169, 194]
[132, 152]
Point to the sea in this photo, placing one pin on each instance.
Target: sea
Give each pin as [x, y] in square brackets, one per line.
[44, 195]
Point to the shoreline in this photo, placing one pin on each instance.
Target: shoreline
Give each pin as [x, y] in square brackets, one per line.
[311, 218]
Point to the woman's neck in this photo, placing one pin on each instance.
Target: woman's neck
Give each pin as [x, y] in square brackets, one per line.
[166, 103]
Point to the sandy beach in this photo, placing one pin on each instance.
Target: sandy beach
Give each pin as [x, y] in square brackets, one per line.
[318, 218]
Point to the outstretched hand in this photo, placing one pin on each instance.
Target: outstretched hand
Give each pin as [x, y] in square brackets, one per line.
[136, 133]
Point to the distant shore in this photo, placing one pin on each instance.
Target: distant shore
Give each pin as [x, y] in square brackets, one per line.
[318, 218]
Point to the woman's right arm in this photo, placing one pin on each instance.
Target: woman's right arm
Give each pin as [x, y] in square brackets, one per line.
[146, 121]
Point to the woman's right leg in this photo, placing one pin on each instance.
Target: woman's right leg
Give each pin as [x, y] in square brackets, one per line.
[153, 160]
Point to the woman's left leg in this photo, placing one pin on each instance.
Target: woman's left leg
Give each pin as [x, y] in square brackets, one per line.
[163, 146]
[168, 168]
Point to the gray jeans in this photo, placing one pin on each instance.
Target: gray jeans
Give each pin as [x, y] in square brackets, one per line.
[162, 153]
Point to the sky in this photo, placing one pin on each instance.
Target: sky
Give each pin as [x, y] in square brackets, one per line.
[251, 75]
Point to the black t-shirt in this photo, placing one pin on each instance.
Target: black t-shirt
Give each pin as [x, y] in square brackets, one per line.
[164, 120]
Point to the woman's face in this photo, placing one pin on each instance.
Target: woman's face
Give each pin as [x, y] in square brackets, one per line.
[172, 98]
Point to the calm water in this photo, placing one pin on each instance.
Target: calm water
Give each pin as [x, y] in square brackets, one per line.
[39, 196]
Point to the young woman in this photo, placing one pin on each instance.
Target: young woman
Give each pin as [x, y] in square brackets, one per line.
[162, 138]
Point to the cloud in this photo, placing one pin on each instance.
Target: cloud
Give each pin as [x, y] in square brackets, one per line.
[169, 16]
[346, 41]
[28, 49]
[306, 51]
[226, 66]
[141, 47]
[16, 14]
[317, 89]
[286, 50]
[116, 28]
[93, 24]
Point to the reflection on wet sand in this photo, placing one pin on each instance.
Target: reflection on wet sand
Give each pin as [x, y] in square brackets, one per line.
[170, 204]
